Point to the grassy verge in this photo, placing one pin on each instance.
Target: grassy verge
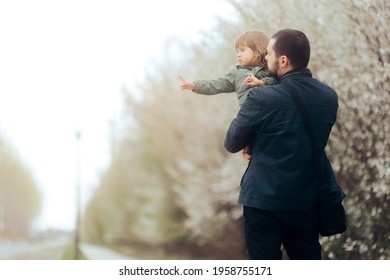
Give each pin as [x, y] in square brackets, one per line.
[70, 253]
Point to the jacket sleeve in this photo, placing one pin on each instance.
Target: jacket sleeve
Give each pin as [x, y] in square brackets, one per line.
[267, 78]
[243, 128]
[224, 84]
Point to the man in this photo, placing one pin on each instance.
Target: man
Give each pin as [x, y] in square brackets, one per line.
[280, 188]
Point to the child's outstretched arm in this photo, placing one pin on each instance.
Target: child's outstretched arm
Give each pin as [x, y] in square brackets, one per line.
[252, 81]
[184, 84]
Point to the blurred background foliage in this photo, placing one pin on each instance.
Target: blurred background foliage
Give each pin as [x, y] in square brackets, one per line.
[172, 187]
[20, 199]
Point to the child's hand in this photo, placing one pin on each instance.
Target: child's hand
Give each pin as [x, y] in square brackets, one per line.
[186, 85]
[252, 81]
[247, 154]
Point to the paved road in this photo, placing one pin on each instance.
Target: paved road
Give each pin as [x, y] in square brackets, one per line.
[94, 252]
[10, 250]
[53, 248]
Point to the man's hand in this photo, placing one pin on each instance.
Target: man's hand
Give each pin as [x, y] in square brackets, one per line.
[247, 154]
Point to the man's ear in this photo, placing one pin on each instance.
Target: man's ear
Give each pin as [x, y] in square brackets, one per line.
[283, 61]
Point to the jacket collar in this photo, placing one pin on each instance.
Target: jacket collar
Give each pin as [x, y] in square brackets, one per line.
[302, 72]
[249, 67]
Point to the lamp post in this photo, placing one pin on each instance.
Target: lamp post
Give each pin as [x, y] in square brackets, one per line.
[78, 196]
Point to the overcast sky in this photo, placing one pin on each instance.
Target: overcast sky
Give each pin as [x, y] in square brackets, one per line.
[62, 67]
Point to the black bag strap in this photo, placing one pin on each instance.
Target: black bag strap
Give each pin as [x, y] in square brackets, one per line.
[309, 130]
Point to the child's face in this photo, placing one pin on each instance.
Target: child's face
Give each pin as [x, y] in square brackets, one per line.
[245, 56]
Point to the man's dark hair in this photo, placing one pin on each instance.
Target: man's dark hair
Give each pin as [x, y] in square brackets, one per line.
[293, 44]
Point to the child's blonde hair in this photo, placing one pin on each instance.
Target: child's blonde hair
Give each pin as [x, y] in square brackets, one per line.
[257, 41]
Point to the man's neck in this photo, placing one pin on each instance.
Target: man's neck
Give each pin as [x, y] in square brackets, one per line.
[299, 70]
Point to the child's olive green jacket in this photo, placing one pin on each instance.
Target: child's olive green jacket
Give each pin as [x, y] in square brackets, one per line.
[234, 82]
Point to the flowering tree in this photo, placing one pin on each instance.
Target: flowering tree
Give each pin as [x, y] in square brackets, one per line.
[19, 197]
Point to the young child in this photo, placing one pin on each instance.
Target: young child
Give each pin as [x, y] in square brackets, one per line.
[251, 70]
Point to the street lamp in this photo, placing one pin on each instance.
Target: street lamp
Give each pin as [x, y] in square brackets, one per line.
[78, 197]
